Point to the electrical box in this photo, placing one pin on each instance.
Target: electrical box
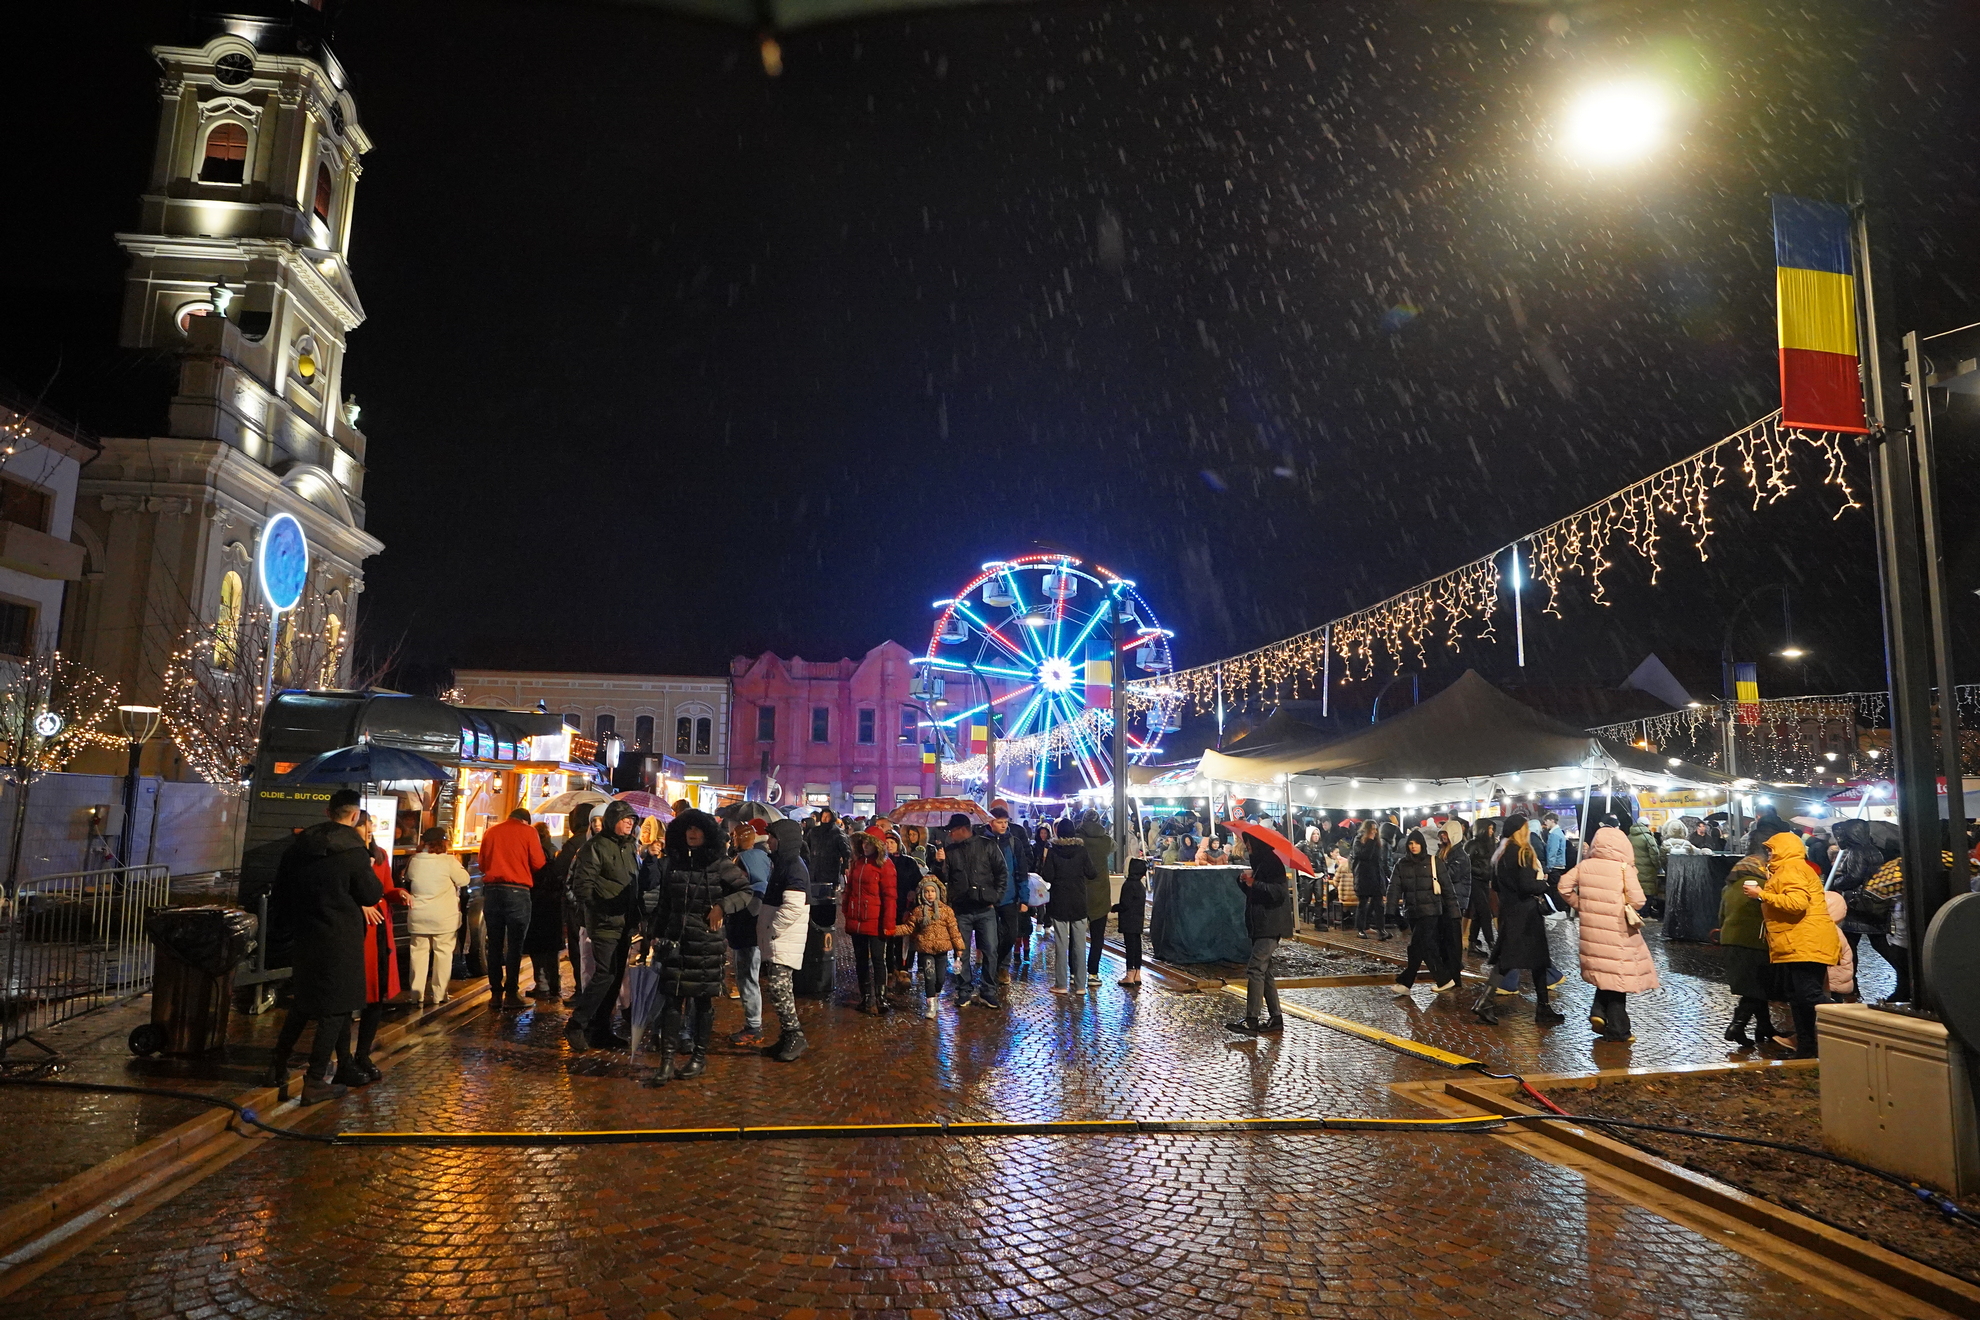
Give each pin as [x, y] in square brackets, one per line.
[1897, 1093]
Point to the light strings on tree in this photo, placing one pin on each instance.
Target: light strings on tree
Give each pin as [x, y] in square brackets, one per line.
[1084, 730]
[1464, 602]
[213, 700]
[51, 709]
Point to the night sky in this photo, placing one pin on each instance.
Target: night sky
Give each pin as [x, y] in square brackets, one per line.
[1275, 308]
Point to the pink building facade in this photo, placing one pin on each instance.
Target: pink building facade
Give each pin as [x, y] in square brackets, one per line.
[840, 733]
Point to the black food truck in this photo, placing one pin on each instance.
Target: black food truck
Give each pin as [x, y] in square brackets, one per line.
[496, 760]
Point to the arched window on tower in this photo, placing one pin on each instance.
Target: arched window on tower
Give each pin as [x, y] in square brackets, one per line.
[227, 627]
[226, 155]
[322, 207]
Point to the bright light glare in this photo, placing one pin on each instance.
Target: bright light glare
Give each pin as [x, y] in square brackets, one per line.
[1614, 124]
[1056, 674]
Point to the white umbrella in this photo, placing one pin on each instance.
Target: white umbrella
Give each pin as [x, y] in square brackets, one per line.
[565, 803]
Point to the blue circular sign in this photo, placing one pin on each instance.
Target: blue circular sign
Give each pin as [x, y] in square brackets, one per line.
[282, 560]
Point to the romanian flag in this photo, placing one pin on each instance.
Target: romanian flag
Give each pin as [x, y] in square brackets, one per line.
[1816, 283]
[1099, 673]
[928, 756]
[979, 739]
[1746, 691]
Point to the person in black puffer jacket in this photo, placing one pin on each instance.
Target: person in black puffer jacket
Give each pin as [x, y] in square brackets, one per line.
[1419, 892]
[1478, 850]
[697, 886]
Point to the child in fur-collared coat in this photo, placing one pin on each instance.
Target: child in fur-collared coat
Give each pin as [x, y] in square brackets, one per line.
[931, 925]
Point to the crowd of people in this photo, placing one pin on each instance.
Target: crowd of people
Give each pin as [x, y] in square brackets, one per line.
[751, 908]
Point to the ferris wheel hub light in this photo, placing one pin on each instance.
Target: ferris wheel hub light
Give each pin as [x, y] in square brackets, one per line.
[1056, 674]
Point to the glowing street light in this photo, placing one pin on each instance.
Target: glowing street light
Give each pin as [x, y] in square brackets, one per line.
[1615, 124]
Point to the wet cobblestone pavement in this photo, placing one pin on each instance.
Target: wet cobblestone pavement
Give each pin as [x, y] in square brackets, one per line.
[1326, 1225]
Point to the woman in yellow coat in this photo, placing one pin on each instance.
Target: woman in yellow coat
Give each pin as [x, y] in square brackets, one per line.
[1802, 939]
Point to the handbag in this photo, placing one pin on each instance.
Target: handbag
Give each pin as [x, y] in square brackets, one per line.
[1871, 909]
[1632, 919]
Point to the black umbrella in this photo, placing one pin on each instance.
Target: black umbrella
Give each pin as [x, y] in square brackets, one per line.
[364, 763]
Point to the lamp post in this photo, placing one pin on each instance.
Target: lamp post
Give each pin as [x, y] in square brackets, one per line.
[139, 723]
[1117, 699]
[989, 737]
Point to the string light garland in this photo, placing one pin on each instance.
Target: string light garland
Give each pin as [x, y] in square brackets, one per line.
[213, 700]
[1464, 602]
[51, 709]
[1088, 728]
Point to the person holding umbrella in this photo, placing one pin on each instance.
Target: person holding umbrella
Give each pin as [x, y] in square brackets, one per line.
[1268, 918]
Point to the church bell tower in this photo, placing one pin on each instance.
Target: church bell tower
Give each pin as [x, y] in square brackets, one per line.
[240, 270]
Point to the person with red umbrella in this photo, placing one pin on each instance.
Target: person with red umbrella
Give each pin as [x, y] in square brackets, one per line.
[1268, 918]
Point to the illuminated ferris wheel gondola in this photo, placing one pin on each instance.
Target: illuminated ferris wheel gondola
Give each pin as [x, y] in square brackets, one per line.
[1030, 639]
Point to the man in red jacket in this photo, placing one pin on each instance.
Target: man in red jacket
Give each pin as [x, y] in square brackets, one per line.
[511, 855]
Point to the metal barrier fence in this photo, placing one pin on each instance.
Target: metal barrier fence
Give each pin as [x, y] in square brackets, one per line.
[75, 942]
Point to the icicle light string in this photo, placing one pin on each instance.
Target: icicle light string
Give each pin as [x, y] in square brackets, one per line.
[1463, 602]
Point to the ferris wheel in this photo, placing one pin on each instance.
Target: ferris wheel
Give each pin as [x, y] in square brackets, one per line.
[1029, 643]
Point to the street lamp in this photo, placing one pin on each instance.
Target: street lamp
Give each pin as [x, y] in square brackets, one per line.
[138, 723]
[1614, 124]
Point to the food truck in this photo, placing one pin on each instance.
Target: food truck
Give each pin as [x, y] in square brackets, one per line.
[496, 760]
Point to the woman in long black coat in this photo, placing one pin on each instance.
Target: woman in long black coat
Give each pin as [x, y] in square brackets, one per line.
[1371, 881]
[321, 891]
[697, 886]
[1520, 883]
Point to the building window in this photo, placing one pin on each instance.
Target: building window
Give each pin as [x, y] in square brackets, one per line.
[605, 724]
[573, 720]
[683, 735]
[227, 626]
[25, 505]
[821, 724]
[643, 734]
[226, 155]
[866, 722]
[16, 628]
[333, 646]
[903, 796]
[766, 724]
[910, 723]
[704, 735]
[322, 207]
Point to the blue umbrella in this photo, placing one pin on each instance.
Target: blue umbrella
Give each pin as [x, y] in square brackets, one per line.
[364, 763]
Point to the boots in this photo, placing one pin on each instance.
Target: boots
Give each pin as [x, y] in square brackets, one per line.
[315, 1091]
[869, 1004]
[278, 1071]
[789, 1047]
[1804, 1032]
[696, 1065]
[1543, 1012]
[1486, 1007]
[1736, 1029]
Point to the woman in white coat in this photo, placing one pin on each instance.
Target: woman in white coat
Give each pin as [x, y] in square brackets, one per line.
[1603, 889]
[781, 926]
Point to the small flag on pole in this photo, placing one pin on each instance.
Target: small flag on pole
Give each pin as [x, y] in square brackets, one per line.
[1746, 691]
[928, 756]
[979, 739]
[1099, 673]
[1815, 281]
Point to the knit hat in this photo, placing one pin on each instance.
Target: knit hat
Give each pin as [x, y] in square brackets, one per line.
[960, 822]
[743, 835]
[1511, 825]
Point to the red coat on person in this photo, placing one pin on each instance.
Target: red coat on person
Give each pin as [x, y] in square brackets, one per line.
[381, 950]
[870, 899]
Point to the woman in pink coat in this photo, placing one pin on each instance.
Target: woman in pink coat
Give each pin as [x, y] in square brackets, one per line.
[1614, 958]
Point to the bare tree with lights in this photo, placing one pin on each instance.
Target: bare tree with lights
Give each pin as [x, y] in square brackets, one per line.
[50, 709]
[213, 684]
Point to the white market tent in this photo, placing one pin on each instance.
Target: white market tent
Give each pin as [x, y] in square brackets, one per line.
[1463, 745]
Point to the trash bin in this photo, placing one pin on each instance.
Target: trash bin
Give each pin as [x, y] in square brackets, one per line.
[192, 989]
